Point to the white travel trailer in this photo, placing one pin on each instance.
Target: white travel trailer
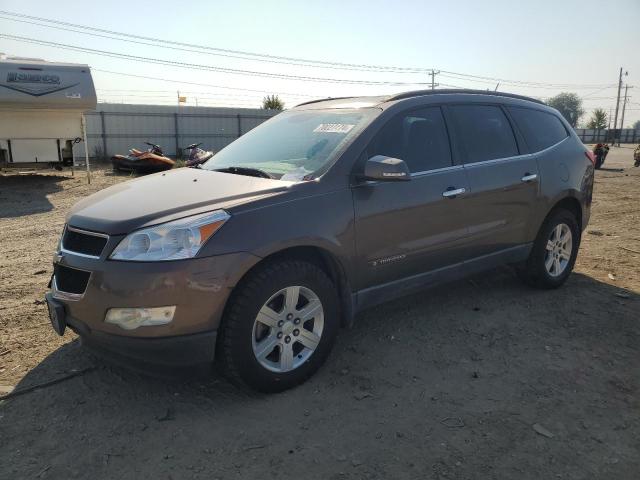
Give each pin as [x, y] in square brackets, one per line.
[41, 112]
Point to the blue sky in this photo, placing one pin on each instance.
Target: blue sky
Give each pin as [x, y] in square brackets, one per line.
[553, 42]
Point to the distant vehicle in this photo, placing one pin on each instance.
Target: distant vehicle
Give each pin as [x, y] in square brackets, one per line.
[334, 206]
[41, 112]
[151, 161]
[197, 155]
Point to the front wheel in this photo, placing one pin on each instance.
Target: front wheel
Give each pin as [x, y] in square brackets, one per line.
[280, 326]
[554, 251]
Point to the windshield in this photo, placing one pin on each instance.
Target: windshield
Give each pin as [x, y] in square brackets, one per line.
[293, 145]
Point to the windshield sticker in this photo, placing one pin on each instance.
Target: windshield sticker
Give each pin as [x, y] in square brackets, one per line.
[334, 128]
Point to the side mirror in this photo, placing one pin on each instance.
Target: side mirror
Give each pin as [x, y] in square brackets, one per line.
[386, 169]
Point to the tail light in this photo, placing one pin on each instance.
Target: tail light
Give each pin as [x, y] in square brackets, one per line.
[591, 156]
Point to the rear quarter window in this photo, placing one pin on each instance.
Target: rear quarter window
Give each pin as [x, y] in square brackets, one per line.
[540, 129]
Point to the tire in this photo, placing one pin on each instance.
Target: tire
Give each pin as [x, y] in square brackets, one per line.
[238, 344]
[535, 271]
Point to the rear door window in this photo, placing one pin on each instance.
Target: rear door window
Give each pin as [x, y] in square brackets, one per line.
[540, 129]
[484, 132]
[418, 137]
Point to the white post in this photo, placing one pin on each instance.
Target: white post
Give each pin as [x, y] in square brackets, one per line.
[86, 147]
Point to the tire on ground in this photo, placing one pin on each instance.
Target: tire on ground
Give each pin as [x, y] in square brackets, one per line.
[235, 351]
[533, 272]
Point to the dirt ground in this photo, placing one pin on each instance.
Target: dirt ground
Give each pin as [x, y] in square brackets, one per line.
[483, 378]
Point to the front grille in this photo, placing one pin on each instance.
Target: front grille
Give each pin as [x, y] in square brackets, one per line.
[70, 280]
[86, 243]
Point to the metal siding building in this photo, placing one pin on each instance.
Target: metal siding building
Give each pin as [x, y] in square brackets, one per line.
[115, 128]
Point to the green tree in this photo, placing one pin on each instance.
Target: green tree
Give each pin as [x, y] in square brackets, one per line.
[636, 125]
[598, 119]
[569, 105]
[272, 102]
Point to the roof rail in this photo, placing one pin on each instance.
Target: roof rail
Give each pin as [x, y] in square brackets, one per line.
[322, 100]
[419, 93]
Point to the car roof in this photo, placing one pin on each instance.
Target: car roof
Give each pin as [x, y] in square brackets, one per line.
[384, 100]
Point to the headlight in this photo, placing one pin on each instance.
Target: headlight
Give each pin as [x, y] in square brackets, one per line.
[174, 240]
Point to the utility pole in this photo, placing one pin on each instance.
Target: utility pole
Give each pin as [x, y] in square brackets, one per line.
[609, 127]
[624, 107]
[615, 121]
[433, 79]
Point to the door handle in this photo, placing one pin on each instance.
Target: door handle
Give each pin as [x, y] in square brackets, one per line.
[529, 177]
[452, 192]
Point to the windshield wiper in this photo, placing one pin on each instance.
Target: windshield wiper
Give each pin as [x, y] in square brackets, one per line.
[250, 172]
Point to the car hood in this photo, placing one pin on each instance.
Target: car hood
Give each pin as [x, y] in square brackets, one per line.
[166, 196]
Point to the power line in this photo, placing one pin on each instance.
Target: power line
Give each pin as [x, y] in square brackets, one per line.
[520, 83]
[525, 82]
[245, 101]
[198, 92]
[245, 55]
[195, 66]
[138, 95]
[133, 92]
[206, 52]
[597, 91]
[254, 106]
[200, 84]
[596, 98]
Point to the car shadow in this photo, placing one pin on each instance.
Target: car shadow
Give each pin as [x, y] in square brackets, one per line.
[99, 413]
[74, 360]
[22, 195]
[605, 169]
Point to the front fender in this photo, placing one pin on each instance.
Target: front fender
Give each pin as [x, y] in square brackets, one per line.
[323, 221]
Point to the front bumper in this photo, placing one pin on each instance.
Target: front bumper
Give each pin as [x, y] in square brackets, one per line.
[181, 350]
[198, 287]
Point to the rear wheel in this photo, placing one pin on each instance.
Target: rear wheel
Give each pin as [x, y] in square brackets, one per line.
[280, 326]
[554, 251]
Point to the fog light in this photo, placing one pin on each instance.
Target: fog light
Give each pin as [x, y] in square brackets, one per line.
[132, 318]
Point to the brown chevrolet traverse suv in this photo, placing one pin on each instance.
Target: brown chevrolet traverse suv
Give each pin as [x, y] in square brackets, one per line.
[258, 257]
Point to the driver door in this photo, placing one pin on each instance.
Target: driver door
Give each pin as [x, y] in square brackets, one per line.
[407, 228]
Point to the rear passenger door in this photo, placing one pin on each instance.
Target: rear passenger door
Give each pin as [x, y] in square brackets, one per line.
[503, 180]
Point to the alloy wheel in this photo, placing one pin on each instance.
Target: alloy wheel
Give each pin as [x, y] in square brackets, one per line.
[558, 250]
[288, 329]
